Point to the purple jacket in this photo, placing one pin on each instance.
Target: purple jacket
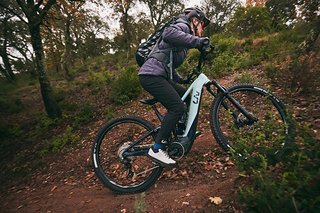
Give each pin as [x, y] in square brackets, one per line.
[178, 35]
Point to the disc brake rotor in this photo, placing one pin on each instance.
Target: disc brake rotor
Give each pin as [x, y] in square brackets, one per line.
[122, 149]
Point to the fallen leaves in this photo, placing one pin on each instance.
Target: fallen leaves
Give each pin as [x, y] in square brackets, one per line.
[176, 174]
[215, 200]
[54, 188]
[185, 203]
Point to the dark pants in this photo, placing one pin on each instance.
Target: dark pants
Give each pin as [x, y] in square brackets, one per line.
[169, 95]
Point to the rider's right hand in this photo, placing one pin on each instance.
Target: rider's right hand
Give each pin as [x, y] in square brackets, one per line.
[205, 44]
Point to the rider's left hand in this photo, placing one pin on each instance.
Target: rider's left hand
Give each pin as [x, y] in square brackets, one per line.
[187, 80]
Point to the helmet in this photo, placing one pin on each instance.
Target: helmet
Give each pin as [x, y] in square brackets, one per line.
[198, 13]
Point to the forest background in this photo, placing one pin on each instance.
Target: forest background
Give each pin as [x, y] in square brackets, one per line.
[64, 65]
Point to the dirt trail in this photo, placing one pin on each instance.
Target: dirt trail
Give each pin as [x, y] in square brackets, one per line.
[68, 184]
[67, 181]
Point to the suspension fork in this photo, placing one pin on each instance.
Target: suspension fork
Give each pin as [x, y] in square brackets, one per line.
[238, 106]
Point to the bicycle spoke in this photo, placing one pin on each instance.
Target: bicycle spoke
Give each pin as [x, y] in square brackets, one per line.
[263, 129]
[122, 155]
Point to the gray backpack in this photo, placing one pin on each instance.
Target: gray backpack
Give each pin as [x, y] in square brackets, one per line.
[149, 48]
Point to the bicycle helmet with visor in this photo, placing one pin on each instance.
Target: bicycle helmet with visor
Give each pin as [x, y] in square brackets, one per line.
[199, 14]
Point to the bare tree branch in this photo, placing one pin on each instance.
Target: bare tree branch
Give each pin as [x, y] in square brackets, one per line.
[39, 4]
[13, 12]
[47, 8]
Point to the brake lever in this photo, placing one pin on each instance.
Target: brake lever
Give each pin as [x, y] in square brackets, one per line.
[209, 50]
[212, 48]
[196, 70]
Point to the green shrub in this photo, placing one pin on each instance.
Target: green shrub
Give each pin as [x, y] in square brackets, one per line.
[109, 113]
[225, 43]
[97, 79]
[246, 60]
[190, 62]
[126, 86]
[69, 106]
[59, 94]
[230, 53]
[8, 131]
[246, 77]
[85, 114]
[57, 143]
[303, 73]
[44, 123]
[23, 80]
[272, 72]
[250, 20]
[221, 64]
[290, 186]
[11, 105]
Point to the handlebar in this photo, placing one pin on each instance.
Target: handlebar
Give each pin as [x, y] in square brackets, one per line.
[203, 56]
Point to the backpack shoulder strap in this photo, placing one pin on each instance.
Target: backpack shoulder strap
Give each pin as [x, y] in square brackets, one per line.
[183, 19]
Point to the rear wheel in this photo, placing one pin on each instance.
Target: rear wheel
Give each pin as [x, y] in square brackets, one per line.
[269, 133]
[120, 155]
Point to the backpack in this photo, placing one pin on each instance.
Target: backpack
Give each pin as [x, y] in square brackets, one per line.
[150, 47]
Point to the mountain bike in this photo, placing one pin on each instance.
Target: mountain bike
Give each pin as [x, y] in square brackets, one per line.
[245, 119]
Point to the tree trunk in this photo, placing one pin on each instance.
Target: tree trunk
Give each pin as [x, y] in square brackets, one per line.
[6, 71]
[51, 105]
[4, 54]
[66, 55]
[127, 33]
[7, 66]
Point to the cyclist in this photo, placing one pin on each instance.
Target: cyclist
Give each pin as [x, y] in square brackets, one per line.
[161, 81]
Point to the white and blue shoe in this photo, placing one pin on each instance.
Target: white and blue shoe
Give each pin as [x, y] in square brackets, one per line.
[161, 157]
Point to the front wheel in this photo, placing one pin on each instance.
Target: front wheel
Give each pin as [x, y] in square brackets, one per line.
[267, 131]
[119, 155]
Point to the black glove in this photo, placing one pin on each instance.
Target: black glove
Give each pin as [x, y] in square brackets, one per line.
[187, 80]
[205, 44]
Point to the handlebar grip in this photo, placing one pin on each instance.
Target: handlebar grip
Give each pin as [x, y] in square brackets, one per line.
[203, 56]
[210, 49]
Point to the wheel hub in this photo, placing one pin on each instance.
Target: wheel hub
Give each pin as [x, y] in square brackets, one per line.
[122, 149]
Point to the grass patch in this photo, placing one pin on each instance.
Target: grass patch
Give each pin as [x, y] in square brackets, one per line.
[11, 105]
[85, 114]
[9, 131]
[140, 203]
[247, 77]
[109, 114]
[59, 142]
